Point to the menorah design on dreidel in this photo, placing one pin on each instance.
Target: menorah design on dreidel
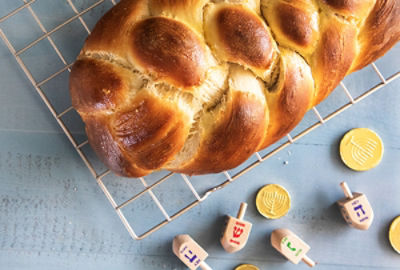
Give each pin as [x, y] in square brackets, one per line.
[189, 252]
[356, 209]
[236, 231]
[274, 201]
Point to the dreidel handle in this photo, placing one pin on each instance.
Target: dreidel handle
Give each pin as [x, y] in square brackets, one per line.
[242, 210]
[346, 190]
[205, 266]
[308, 261]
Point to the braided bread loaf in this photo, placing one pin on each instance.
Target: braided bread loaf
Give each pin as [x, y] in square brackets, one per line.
[197, 86]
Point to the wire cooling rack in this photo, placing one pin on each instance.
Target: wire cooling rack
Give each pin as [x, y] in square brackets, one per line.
[61, 32]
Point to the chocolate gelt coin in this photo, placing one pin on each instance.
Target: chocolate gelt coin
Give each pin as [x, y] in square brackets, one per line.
[273, 201]
[247, 267]
[394, 234]
[361, 149]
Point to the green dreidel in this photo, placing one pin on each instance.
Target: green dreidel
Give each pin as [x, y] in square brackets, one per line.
[291, 246]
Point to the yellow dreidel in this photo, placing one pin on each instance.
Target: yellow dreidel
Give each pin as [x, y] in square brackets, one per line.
[291, 246]
[189, 252]
[236, 231]
[356, 209]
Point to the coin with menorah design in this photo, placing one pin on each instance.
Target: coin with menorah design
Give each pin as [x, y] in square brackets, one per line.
[273, 201]
[361, 149]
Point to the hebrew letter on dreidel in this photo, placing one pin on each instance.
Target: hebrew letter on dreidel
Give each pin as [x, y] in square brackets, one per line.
[289, 246]
[236, 231]
[359, 208]
[191, 254]
[356, 209]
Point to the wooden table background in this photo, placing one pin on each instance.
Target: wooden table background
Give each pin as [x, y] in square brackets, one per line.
[54, 216]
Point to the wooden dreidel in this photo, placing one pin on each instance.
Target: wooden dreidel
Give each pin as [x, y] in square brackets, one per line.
[291, 246]
[189, 252]
[236, 231]
[356, 209]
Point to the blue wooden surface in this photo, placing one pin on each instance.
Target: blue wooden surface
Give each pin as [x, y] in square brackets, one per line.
[54, 216]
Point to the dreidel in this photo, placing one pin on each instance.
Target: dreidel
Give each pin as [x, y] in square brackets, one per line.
[236, 231]
[356, 209]
[189, 252]
[291, 246]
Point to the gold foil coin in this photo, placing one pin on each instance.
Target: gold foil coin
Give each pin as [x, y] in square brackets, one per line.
[394, 234]
[246, 267]
[273, 201]
[361, 149]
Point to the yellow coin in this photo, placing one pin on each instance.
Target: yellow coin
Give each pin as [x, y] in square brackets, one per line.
[246, 267]
[273, 201]
[394, 234]
[361, 149]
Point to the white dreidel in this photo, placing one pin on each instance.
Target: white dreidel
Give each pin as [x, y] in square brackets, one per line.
[236, 231]
[291, 246]
[356, 209]
[189, 252]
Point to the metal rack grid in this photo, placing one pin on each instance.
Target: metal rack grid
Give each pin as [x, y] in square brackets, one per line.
[148, 189]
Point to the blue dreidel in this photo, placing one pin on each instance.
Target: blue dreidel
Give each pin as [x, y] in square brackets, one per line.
[356, 209]
[189, 252]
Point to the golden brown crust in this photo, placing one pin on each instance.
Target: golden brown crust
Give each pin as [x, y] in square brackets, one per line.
[98, 85]
[196, 86]
[107, 149]
[350, 7]
[333, 57]
[233, 138]
[186, 11]
[292, 98]
[295, 24]
[109, 35]
[244, 37]
[151, 131]
[169, 49]
[163, 5]
[380, 32]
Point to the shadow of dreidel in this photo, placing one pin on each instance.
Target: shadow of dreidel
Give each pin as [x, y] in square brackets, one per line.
[291, 246]
[236, 231]
[189, 252]
[356, 209]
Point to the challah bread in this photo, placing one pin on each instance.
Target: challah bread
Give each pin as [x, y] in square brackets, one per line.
[197, 86]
